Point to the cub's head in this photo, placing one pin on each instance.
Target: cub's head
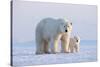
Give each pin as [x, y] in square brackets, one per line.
[65, 26]
[77, 39]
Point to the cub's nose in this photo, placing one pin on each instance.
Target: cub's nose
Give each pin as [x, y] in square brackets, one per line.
[77, 41]
[65, 30]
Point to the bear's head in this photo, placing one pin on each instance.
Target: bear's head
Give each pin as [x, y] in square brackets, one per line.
[65, 26]
[77, 39]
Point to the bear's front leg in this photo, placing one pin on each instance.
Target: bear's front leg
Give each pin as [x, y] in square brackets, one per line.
[65, 46]
[76, 48]
[54, 47]
[72, 50]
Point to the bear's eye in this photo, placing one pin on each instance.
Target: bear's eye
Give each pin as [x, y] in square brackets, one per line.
[71, 23]
[76, 40]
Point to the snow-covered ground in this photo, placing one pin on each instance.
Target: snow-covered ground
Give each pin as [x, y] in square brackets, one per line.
[24, 54]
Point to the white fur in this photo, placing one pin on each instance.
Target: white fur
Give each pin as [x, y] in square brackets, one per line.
[48, 32]
[74, 44]
[65, 39]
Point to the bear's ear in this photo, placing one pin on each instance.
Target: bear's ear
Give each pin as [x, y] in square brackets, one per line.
[71, 23]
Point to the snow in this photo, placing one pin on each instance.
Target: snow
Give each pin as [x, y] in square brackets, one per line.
[24, 54]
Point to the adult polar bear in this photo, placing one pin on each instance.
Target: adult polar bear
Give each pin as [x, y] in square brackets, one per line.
[48, 32]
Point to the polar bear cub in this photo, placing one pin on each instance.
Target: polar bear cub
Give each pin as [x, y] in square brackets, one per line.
[74, 44]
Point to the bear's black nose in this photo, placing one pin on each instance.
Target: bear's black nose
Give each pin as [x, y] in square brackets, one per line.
[77, 40]
[65, 30]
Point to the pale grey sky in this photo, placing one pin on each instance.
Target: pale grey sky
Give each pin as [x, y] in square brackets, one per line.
[26, 15]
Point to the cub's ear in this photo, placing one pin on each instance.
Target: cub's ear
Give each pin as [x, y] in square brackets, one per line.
[71, 23]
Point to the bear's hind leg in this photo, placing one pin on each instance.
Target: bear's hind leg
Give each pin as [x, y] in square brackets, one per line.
[46, 47]
[40, 47]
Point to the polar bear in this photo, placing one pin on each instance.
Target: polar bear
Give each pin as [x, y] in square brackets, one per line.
[74, 44]
[48, 32]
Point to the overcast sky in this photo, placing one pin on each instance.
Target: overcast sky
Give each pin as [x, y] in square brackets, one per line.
[26, 15]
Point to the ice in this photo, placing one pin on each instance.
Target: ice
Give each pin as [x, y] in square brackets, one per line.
[24, 54]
